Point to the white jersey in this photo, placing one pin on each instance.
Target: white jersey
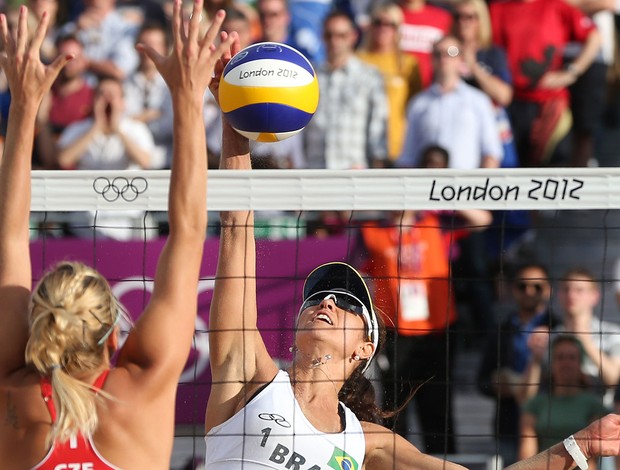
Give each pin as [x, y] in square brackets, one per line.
[271, 432]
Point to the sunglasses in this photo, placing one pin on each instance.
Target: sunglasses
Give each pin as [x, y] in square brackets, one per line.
[336, 34]
[347, 302]
[270, 14]
[524, 286]
[465, 16]
[342, 300]
[388, 24]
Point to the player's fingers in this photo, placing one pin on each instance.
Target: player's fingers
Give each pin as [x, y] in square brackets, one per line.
[7, 39]
[194, 22]
[177, 39]
[151, 53]
[219, 64]
[236, 45]
[58, 64]
[39, 34]
[213, 30]
[223, 38]
[223, 51]
[22, 30]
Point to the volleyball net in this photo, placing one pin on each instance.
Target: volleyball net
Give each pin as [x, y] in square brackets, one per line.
[116, 222]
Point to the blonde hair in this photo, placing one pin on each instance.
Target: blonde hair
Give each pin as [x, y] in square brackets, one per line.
[394, 12]
[73, 312]
[484, 20]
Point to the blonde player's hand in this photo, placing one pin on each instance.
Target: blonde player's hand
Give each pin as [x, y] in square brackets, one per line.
[28, 78]
[190, 66]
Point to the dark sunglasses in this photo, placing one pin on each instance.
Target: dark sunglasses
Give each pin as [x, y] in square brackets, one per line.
[388, 24]
[341, 299]
[465, 16]
[271, 14]
[524, 286]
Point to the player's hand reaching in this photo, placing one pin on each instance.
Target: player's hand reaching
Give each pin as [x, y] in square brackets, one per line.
[601, 438]
[28, 78]
[235, 143]
[190, 66]
[235, 46]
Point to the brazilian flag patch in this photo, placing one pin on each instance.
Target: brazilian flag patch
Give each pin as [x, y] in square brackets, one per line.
[342, 461]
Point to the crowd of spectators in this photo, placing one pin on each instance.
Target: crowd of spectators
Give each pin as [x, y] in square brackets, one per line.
[481, 79]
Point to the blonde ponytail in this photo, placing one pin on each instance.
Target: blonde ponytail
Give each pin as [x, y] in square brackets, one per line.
[73, 312]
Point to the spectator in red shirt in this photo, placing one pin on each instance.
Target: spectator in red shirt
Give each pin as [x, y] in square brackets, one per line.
[423, 25]
[70, 100]
[534, 34]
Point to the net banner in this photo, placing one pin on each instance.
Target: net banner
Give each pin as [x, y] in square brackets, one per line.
[130, 268]
[375, 189]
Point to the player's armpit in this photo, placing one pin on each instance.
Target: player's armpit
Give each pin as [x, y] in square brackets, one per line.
[385, 449]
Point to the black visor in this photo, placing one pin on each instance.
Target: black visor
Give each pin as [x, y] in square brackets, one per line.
[338, 276]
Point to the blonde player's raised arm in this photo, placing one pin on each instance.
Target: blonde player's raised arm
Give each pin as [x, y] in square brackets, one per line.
[29, 81]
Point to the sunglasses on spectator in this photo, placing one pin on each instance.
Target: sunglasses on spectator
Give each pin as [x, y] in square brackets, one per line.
[378, 22]
[336, 34]
[270, 14]
[524, 286]
[465, 16]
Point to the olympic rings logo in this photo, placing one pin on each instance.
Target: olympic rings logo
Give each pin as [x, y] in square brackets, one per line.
[128, 190]
[276, 418]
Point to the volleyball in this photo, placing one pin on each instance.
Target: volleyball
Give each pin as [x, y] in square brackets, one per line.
[268, 92]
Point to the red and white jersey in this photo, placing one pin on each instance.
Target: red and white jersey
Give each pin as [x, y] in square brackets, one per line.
[78, 453]
[419, 31]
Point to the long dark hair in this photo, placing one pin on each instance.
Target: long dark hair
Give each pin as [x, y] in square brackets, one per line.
[358, 392]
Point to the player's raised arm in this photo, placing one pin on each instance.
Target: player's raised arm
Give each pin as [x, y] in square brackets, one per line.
[237, 352]
[160, 342]
[29, 80]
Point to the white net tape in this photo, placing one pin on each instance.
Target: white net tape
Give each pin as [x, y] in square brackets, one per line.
[534, 189]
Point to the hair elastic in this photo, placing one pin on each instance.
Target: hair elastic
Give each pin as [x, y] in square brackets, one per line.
[111, 329]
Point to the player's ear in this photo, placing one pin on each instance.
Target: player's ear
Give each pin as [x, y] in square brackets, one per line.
[365, 350]
[113, 340]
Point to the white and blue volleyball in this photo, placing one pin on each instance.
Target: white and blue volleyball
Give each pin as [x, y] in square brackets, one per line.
[269, 91]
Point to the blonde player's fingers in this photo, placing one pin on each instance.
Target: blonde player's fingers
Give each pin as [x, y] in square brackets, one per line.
[39, 34]
[22, 31]
[213, 31]
[7, 39]
[177, 26]
[151, 53]
[56, 66]
[194, 22]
